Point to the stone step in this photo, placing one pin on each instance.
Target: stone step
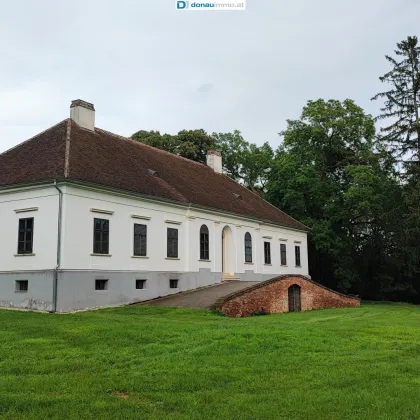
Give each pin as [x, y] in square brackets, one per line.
[230, 277]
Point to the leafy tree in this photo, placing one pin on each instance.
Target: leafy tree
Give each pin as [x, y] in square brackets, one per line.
[327, 175]
[402, 101]
[246, 163]
[191, 144]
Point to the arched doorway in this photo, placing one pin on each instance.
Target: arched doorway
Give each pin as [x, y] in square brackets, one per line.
[295, 304]
[228, 261]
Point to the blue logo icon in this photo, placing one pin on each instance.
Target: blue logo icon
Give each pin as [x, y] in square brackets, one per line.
[180, 4]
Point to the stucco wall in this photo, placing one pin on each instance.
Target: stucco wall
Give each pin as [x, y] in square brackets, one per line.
[272, 297]
[39, 295]
[76, 289]
[79, 268]
[78, 237]
[45, 200]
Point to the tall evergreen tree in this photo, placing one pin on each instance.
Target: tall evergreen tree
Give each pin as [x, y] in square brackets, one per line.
[402, 101]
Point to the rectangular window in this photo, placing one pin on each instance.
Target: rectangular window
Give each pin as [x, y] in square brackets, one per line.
[26, 236]
[101, 284]
[267, 253]
[283, 257]
[173, 284]
[297, 255]
[21, 285]
[140, 240]
[248, 248]
[140, 284]
[172, 244]
[101, 236]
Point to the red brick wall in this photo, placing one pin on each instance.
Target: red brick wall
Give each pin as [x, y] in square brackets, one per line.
[272, 296]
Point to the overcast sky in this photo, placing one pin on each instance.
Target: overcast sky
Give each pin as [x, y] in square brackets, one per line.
[146, 65]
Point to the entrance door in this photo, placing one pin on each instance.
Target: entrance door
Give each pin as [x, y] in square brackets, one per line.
[228, 261]
[294, 299]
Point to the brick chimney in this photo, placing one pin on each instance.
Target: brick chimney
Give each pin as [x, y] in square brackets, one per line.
[83, 114]
[214, 160]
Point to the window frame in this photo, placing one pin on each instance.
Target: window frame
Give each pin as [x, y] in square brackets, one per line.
[103, 282]
[174, 283]
[204, 243]
[98, 246]
[26, 250]
[283, 253]
[248, 247]
[142, 237]
[142, 283]
[298, 260]
[172, 243]
[18, 286]
[267, 253]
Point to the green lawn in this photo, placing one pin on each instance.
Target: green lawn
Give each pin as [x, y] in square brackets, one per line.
[158, 363]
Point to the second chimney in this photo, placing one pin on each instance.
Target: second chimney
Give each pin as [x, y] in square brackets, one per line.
[214, 160]
[83, 114]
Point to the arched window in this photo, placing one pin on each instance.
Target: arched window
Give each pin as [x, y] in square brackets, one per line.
[204, 243]
[248, 248]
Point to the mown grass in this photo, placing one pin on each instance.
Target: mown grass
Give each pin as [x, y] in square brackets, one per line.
[166, 363]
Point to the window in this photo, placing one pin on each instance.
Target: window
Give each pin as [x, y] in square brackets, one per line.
[26, 236]
[21, 285]
[248, 248]
[204, 243]
[283, 257]
[173, 284]
[297, 255]
[140, 240]
[101, 284]
[140, 284]
[100, 236]
[172, 243]
[267, 253]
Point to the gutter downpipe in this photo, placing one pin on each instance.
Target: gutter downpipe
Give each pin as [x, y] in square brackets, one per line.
[55, 282]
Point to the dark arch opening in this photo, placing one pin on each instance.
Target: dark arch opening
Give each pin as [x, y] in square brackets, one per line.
[295, 304]
[248, 248]
[204, 243]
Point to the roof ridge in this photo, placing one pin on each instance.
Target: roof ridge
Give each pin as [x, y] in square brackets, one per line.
[67, 152]
[151, 147]
[33, 137]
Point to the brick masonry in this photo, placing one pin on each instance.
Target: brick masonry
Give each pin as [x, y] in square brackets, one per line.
[273, 297]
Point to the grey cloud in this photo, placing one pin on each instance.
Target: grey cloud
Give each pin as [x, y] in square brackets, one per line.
[146, 65]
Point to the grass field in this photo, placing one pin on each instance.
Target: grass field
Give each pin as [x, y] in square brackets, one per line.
[161, 363]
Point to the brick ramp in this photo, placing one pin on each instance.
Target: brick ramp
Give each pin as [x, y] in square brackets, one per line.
[272, 296]
[203, 298]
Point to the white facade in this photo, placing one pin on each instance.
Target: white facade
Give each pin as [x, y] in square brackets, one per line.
[79, 268]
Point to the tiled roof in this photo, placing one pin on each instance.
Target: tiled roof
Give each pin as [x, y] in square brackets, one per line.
[69, 151]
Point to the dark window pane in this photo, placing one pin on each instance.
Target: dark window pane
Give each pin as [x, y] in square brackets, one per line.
[204, 243]
[140, 284]
[283, 256]
[101, 236]
[25, 235]
[172, 243]
[248, 248]
[267, 253]
[297, 255]
[140, 240]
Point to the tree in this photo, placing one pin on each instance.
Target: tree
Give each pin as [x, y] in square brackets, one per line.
[327, 175]
[402, 101]
[191, 144]
[245, 162]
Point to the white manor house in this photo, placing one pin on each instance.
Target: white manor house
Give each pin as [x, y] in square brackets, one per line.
[90, 219]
